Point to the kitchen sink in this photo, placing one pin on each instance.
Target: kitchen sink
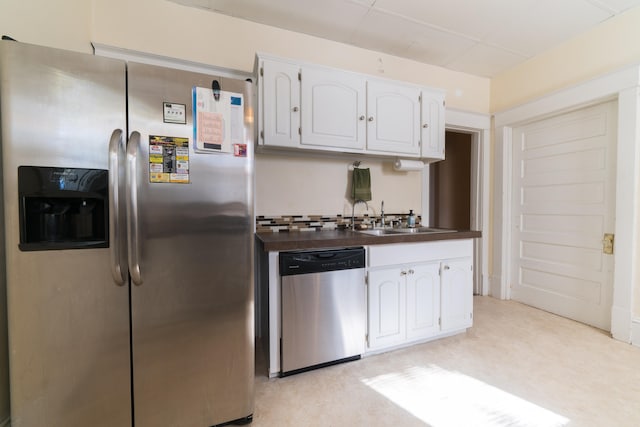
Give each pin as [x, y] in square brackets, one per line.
[422, 230]
[414, 230]
[377, 232]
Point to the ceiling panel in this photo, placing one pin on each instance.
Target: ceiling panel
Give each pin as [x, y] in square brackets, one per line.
[473, 19]
[437, 47]
[544, 23]
[399, 36]
[308, 17]
[616, 6]
[483, 60]
[482, 37]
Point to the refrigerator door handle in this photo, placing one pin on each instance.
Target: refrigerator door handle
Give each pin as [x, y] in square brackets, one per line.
[132, 207]
[117, 233]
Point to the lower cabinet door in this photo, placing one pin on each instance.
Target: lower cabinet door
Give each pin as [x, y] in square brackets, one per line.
[457, 294]
[423, 301]
[386, 294]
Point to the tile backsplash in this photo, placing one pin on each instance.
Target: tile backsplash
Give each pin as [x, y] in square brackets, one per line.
[287, 223]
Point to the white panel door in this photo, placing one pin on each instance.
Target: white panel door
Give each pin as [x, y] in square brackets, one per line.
[562, 204]
[393, 118]
[423, 300]
[333, 109]
[280, 104]
[387, 294]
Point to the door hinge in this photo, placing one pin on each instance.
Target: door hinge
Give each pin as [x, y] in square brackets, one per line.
[439, 321]
[299, 131]
[366, 279]
[419, 98]
[299, 76]
[261, 71]
[444, 103]
[471, 315]
[262, 134]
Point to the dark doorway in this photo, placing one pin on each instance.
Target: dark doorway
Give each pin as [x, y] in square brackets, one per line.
[450, 184]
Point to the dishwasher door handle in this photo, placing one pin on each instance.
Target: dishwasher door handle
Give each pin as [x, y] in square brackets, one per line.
[325, 255]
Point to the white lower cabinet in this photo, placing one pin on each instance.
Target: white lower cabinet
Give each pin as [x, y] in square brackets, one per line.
[423, 295]
[387, 305]
[456, 294]
[418, 301]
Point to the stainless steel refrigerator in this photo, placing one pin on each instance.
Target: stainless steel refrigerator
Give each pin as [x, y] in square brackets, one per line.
[127, 196]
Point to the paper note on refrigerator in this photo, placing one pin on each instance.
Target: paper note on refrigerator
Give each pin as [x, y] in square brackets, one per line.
[218, 124]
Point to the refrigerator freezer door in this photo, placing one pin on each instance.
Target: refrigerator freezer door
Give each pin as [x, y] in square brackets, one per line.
[192, 314]
[68, 320]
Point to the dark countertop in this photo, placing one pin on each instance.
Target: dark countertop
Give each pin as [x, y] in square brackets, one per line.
[295, 240]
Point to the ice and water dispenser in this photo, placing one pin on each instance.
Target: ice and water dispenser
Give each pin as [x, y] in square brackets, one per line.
[63, 208]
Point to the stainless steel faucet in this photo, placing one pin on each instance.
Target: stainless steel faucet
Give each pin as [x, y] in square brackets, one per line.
[353, 210]
[382, 214]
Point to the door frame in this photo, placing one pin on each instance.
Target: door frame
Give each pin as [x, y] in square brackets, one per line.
[479, 127]
[624, 87]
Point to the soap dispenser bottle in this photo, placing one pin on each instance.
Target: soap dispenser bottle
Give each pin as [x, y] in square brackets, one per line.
[411, 219]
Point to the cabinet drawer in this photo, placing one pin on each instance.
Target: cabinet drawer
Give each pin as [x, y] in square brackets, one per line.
[405, 253]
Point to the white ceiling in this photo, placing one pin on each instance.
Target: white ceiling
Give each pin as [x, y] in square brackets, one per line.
[481, 37]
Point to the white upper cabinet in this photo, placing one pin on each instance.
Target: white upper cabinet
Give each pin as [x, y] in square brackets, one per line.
[306, 106]
[393, 118]
[432, 127]
[280, 104]
[333, 109]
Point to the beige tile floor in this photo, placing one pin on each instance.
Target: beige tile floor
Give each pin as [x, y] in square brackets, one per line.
[517, 366]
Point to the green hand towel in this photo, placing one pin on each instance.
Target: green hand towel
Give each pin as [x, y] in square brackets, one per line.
[361, 184]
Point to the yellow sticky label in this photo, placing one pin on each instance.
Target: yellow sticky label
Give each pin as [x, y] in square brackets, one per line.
[159, 177]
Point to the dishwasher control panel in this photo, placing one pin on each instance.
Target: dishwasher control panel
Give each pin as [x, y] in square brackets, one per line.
[303, 262]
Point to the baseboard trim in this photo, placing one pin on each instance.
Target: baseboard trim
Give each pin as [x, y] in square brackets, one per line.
[495, 287]
[635, 332]
[376, 351]
[621, 324]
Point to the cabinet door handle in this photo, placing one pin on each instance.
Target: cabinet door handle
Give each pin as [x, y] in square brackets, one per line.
[361, 117]
[411, 271]
[295, 109]
[446, 267]
[370, 118]
[425, 125]
[403, 273]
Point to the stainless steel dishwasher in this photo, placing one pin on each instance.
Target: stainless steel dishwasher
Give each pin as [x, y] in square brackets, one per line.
[323, 308]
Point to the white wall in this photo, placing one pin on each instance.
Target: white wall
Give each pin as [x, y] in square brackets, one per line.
[64, 24]
[320, 185]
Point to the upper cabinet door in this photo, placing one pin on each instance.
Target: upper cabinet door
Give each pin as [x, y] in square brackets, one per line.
[333, 109]
[280, 104]
[393, 118]
[433, 126]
